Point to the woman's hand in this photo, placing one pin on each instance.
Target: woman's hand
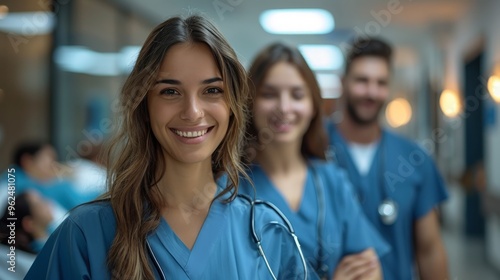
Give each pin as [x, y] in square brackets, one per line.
[361, 266]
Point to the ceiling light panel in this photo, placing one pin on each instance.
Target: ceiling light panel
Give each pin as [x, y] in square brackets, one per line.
[297, 21]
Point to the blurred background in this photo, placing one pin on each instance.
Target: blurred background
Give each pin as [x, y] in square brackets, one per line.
[62, 64]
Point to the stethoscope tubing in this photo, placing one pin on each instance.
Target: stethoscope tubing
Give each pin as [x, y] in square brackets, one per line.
[288, 227]
[387, 200]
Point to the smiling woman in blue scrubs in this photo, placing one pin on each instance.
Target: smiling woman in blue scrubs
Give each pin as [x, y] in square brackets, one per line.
[164, 216]
[337, 239]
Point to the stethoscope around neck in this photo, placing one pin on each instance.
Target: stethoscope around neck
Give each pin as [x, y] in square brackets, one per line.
[388, 208]
[322, 268]
[285, 224]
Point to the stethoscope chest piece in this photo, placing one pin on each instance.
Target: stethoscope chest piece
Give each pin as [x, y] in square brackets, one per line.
[388, 211]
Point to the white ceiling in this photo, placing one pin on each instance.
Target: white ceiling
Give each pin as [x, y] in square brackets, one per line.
[409, 28]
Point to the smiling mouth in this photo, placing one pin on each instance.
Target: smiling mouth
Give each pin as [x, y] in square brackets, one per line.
[191, 134]
[278, 122]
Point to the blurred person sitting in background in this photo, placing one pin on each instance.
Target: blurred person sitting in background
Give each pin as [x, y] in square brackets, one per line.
[36, 167]
[33, 216]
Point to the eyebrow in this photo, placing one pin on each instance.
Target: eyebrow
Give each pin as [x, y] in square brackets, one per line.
[177, 82]
[270, 87]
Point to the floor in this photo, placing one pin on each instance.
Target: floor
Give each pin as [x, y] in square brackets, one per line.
[466, 255]
[466, 258]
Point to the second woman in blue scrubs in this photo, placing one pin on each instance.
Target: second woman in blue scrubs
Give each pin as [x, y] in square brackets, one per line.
[288, 169]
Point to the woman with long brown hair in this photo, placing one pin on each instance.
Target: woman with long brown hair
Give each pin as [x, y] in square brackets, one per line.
[288, 167]
[164, 216]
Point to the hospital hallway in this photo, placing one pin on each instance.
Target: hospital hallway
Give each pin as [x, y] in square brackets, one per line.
[64, 64]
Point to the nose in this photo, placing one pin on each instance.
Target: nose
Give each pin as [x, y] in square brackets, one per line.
[373, 89]
[192, 109]
[284, 103]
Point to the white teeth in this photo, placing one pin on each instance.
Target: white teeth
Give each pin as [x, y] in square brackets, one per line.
[190, 134]
[281, 122]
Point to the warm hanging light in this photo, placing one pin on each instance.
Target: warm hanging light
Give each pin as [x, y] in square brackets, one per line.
[398, 112]
[494, 87]
[450, 103]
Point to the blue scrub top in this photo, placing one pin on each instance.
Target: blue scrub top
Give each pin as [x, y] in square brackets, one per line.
[224, 248]
[345, 230]
[410, 178]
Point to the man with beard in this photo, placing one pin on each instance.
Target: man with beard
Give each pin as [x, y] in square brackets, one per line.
[397, 183]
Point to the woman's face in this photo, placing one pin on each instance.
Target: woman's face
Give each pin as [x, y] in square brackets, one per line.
[283, 107]
[187, 109]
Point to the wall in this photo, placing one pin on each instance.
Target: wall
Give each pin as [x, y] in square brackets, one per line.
[492, 60]
[24, 92]
[101, 27]
[480, 23]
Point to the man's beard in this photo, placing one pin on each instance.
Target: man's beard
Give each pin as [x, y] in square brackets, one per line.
[351, 110]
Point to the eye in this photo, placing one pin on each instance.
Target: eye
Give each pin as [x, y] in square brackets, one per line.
[361, 80]
[382, 83]
[214, 90]
[298, 95]
[169, 92]
[268, 94]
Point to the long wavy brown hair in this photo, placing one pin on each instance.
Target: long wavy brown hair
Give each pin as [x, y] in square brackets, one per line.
[314, 142]
[134, 156]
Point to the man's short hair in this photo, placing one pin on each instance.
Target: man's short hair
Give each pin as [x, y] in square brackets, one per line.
[370, 46]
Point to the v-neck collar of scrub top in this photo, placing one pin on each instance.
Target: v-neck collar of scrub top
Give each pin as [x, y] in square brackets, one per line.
[192, 261]
[339, 139]
[266, 188]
